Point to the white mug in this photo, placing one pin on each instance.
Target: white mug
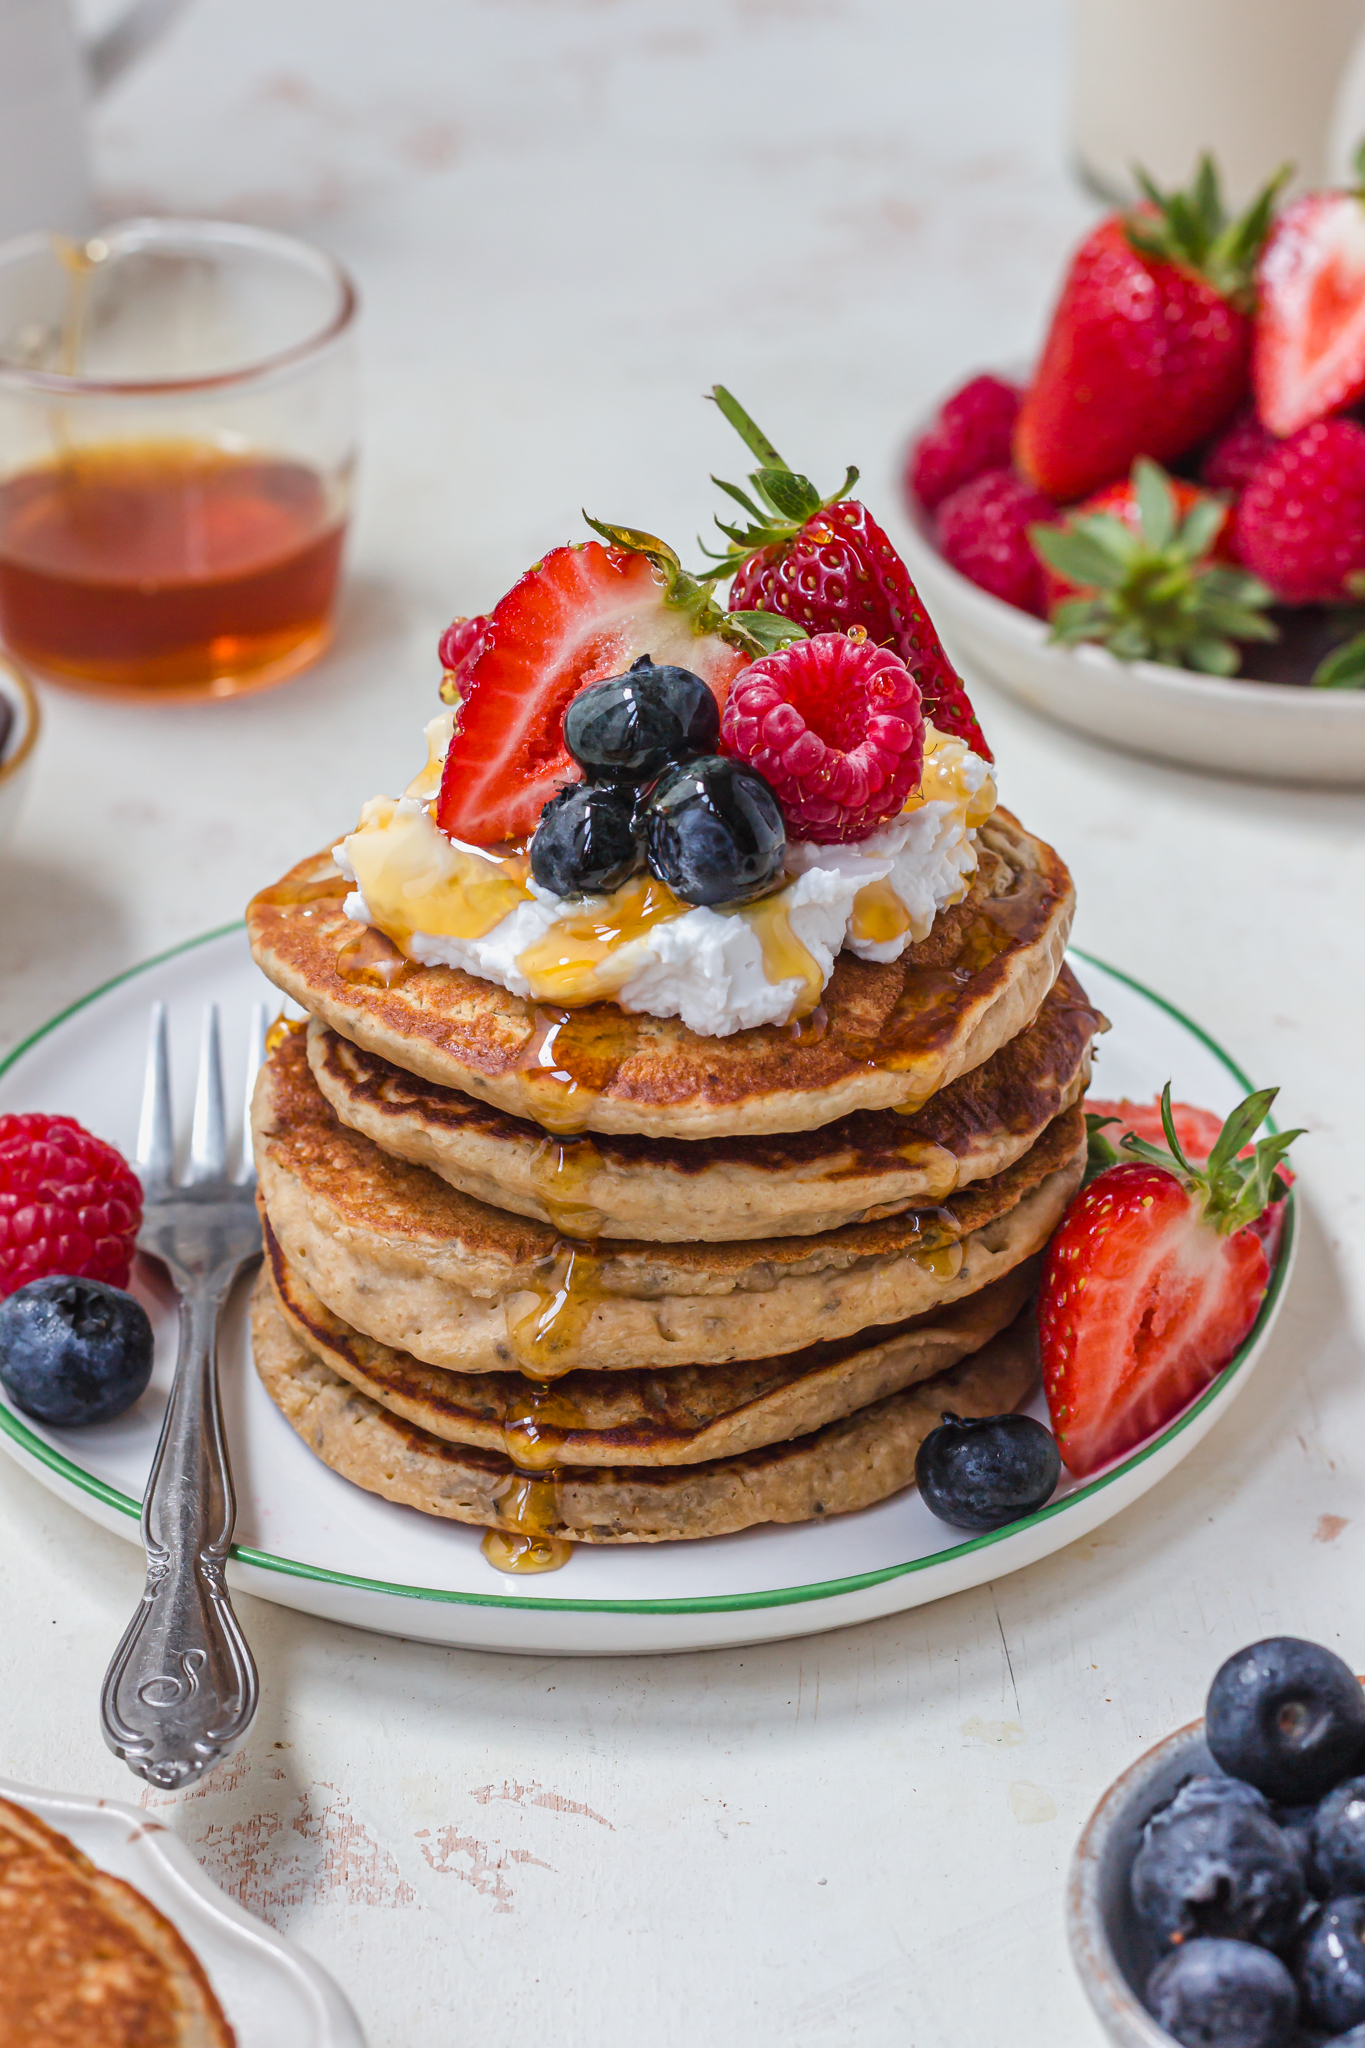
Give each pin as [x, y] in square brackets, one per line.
[47, 78]
[1256, 82]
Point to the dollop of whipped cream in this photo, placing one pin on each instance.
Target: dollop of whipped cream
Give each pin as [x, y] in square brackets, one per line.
[445, 904]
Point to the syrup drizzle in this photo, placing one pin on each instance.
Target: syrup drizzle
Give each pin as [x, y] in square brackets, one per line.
[282, 1028]
[372, 957]
[562, 1169]
[567, 1289]
[531, 1503]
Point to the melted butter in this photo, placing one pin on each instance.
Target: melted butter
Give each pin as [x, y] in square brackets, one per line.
[784, 956]
[584, 959]
[372, 958]
[414, 879]
[562, 1169]
[566, 1289]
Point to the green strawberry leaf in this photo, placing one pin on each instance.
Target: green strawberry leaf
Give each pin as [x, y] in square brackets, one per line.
[1232, 1192]
[1344, 667]
[1156, 503]
[790, 496]
[753, 437]
[768, 633]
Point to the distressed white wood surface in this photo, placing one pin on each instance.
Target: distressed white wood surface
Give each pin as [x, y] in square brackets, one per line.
[568, 217]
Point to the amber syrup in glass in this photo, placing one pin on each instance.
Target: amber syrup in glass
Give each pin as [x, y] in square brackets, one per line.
[167, 568]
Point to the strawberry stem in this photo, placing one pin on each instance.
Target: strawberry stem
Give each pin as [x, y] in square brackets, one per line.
[1231, 1191]
[757, 633]
[1193, 228]
[786, 499]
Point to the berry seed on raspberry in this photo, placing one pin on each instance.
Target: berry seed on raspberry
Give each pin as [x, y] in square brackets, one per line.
[835, 725]
[69, 1203]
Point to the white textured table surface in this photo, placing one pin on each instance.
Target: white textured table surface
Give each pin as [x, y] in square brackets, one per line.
[569, 217]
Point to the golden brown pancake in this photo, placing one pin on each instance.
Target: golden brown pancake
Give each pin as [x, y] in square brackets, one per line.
[871, 1164]
[680, 1415]
[85, 1960]
[402, 1256]
[849, 1464]
[884, 1036]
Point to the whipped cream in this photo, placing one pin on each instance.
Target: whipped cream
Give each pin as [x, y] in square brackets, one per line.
[449, 905]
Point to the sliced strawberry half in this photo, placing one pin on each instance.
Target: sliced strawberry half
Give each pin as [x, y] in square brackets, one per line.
[1154, 1278]
[1308, 357]
[583, 613]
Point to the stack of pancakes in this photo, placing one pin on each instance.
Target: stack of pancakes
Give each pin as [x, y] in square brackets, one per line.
[583, 1276]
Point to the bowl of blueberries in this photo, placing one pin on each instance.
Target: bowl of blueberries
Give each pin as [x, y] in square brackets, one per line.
[1217, 1894]
[18, 738]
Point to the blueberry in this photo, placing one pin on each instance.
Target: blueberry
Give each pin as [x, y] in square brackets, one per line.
[714, 831]
[586, 842]
[1295, 1823]
[1223, 1994]
[73, 1351]
[632, 726]
[1338, 1838]
[1287, 1716]
[981, 1471]
[1215, 1864]
[1331, 1965]
[1355, 2039]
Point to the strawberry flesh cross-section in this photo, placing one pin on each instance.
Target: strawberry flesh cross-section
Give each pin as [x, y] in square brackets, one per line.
[581, 614]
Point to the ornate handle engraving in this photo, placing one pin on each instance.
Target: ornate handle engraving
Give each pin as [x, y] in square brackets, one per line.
[181, 1690]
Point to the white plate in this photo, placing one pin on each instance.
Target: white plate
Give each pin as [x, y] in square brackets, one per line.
[1276, 730]
[311, 1540]
[274, 1996]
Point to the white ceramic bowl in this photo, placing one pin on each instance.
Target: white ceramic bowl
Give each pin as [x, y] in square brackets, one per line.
[16, 758]
[1112, 1953]
[1279, 731]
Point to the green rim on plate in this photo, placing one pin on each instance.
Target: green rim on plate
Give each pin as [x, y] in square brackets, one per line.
[716, 1603]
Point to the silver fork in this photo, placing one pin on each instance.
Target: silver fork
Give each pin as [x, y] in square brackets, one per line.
[181, 1691]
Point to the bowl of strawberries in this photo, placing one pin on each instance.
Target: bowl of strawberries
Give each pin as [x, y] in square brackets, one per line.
[1158, 536]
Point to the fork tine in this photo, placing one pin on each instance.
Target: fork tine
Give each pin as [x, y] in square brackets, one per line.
[255, 1056]
[155, 1129]
[208, 1134]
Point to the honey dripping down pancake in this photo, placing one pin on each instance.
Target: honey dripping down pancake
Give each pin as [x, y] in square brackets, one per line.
[402, 1255]
[849, 1464]
[889, 1037]
[85, 1960]
[856, 1169]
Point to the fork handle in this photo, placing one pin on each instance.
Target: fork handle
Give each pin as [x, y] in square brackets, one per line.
[182, 1690]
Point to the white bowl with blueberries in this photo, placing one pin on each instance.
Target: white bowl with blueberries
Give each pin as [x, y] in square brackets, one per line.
[19, 723]
[1217, 1893]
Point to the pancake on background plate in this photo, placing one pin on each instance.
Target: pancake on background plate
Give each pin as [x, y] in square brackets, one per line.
[690, 1079]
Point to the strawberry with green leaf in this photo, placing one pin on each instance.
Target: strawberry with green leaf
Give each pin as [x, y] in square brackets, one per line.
[1149, 348]
[1154, 1277]
[826, 564]
[1150, 586]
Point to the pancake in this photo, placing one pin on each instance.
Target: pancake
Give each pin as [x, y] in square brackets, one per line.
[849, 1464]
[85, 1960]
[884, 1036]
[871, 1164]
[406, 1259]
[680, 1415]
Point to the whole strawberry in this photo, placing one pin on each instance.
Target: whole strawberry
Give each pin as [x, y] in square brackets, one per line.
[1153, 1279]
[69, 1203]
[971, 434]
[1137, 570]
[825, 564]
[983, 530]
[1301, 520]
[1309, 357]
[1149, 348]
[1233, 459]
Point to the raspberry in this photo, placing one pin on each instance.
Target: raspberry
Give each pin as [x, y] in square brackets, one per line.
[983, 532]
[1301, 520]
[1233, 459]
[972, 433]
[834, 723]
[462, 644]
[69, 1203]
